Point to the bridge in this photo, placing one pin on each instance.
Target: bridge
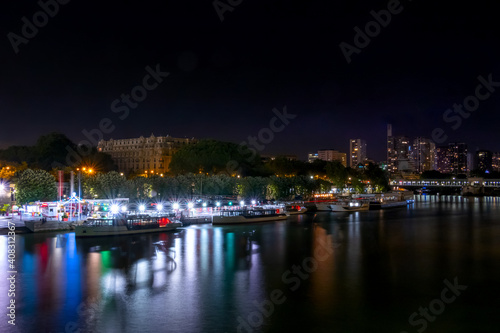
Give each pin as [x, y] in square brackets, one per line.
[459, 183]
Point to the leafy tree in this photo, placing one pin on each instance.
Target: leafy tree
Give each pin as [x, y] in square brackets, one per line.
[252, 187]
[337, 174]
[378, 178]
[52, 148]
[214, 157]
[107, 186]
[34, 185]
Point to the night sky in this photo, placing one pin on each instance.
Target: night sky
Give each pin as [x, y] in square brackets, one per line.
[226, 77]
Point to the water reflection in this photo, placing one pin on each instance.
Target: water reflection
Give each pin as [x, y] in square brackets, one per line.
[376, 268]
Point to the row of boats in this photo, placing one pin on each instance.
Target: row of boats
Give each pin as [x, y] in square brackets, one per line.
[124, 224]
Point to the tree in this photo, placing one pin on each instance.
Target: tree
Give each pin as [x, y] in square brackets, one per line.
[52, 149]
[109, 185]
[337, 174]
[378, 178]
[252, 187]
[34, 185]
[215, 157]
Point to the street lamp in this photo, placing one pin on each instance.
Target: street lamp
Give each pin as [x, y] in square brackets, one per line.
[253, 202]
[190, 205]
[217, 204]
[175, 206]
[142, 208]
[242, 203]
[159, 207]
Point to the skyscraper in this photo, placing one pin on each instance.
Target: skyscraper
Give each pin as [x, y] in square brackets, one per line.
[358, 152]
[391, 152]
[452, 158]
[495, 162]
[424, 154]
[484, 161]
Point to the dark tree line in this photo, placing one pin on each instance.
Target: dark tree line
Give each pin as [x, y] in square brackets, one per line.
[51, 151]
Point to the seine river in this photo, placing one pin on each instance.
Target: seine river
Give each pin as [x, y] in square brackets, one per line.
[433, 267]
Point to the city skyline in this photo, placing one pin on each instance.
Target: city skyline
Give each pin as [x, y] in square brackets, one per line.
[224, 82]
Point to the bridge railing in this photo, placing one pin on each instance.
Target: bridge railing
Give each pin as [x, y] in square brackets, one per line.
[445, 182]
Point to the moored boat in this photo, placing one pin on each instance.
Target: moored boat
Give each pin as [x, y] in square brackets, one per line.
[294, 209]
[349, 205]
[249, 215]
[392, 200]
[125, 225]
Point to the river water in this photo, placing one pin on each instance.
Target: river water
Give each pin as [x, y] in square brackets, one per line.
[433, 267]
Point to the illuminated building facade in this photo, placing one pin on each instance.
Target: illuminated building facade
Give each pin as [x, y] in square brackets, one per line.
[357, 149]
[311, 157]
[452, 158]
[150, 155]
[484, 161]
[495, 162]
[424, 155]
[399, 153]
[332, 155]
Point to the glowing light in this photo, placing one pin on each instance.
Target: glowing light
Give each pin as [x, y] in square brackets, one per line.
[124, 209]
[142, 208]
[204, 204]
[121, 173]
[159, 207]
[190, 205]
[242, 203]
[253, 202]
[114, 208]
[217, 204]
[175, 206]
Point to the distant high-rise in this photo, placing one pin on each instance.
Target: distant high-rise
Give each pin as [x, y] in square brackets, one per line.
[311, 157]
[495, 162]
[452, 158]
[484, 161]
[332, 155]
[424, 154]
[358, 152]
[401, 155]
[391, 152]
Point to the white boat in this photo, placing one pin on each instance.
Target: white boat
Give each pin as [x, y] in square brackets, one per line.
[323, 206]
[125, 225]
[249, 216]
[349, 205]
[392, 200]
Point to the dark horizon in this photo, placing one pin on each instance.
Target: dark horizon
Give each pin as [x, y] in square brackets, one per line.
[225, 78]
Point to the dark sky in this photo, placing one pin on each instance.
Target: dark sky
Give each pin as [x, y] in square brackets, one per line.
[226, 77]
